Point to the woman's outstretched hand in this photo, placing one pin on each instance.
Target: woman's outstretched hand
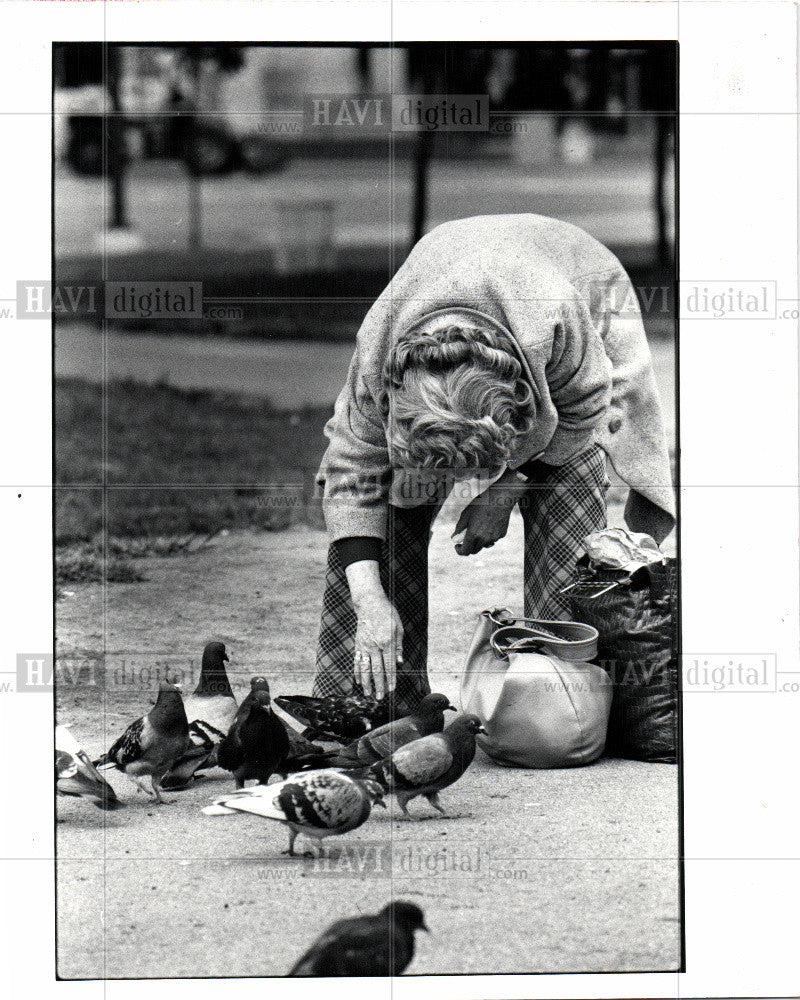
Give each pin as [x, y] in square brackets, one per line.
[484, 520]
[379, 634]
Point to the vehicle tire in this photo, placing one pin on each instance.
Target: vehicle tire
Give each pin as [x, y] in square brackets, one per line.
[85, 145]
[260, 156]
[209, 151]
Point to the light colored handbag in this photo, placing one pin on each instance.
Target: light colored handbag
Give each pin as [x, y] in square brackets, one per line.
[541, 702]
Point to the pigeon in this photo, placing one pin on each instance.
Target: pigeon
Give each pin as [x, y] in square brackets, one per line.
[210, 711]
[77, 776]
[302, 755]
[318, 804]
[427, 765]
[341, 718]
[257, 743]
[377, 945]
[383, 741]
[152, 744]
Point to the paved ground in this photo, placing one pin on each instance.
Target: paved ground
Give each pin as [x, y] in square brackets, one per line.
[557, 871]
[612, 200]
[288, 373]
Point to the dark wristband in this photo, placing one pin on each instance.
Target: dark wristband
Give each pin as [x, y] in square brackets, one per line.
[358, 548]
[535, 471]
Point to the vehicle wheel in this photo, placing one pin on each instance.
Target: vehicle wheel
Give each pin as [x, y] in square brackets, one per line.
[209, 151]
[85, 146]
[260, 156]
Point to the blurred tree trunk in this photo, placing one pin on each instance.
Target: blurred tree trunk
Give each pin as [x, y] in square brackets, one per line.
[661, 196]
[427, 75]
[422, 157]
[117, 153]
[195, 188]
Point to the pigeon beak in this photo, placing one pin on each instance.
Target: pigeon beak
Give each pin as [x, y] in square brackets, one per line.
[226, 657]
[424, 927]
[381, 803]
[450, 708]
[480, 729]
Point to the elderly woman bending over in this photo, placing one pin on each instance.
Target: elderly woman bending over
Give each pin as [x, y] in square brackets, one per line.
[509, 350]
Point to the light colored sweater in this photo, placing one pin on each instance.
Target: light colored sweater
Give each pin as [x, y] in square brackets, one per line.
[571, 311]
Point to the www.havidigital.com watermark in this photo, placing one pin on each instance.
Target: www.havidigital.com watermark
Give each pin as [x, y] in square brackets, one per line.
[395, 860]
[397, 112]
[122, 300]
[184, 300]
[717, 673]
[137, 672]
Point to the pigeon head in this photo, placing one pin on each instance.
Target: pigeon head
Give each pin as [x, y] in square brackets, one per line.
[433, 703]
[466, 724]
[213, 676]
[259, 684]
[408, 915]
[262, 698]
[375, 793]
[215, 651]
[168, 709]
[66, 765]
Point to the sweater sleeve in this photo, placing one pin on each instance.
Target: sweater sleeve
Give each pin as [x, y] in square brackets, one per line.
[632, 432]
[579, 381]
[355, 473]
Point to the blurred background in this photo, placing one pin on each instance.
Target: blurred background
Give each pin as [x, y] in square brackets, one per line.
[198, 163]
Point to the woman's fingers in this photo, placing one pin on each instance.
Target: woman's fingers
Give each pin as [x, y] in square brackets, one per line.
[378, 673]
[379, 649]
[469, 545]
[462, 522]
[360, 666]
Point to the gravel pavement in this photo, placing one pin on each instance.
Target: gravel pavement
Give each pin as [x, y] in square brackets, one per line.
[535, 871]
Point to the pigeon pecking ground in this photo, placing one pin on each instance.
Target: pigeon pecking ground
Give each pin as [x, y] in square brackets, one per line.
[570, 869]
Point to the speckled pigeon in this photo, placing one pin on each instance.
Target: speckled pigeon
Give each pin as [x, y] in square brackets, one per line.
[152, 744]
[316, 803]
[77, 776]
[427, 765]
[376, 945]
[383, 741]
[341, 718]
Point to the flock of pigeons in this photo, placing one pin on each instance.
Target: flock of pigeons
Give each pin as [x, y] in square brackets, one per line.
[322, 793]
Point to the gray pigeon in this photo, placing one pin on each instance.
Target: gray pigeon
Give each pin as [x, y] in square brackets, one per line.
[152, 744]
[210, 710]
[427, 765]
[318, 804]
[376, 945]
[77, 776]
[382, 742]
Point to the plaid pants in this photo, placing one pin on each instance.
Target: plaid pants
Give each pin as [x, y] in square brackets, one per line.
[561, 507]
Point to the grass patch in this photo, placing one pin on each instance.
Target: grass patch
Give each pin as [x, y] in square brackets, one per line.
[179, 464]
[85, 564]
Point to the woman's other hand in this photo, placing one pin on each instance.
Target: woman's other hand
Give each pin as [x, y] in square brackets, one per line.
[379, 633]
[644, 516]
[484, 520]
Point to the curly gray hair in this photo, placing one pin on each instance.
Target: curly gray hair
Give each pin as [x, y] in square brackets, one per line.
[455, 398]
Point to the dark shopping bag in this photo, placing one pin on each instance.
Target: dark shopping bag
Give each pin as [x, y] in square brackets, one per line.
[636, 616]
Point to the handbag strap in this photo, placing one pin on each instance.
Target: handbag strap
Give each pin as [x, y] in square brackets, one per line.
[566, 640]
